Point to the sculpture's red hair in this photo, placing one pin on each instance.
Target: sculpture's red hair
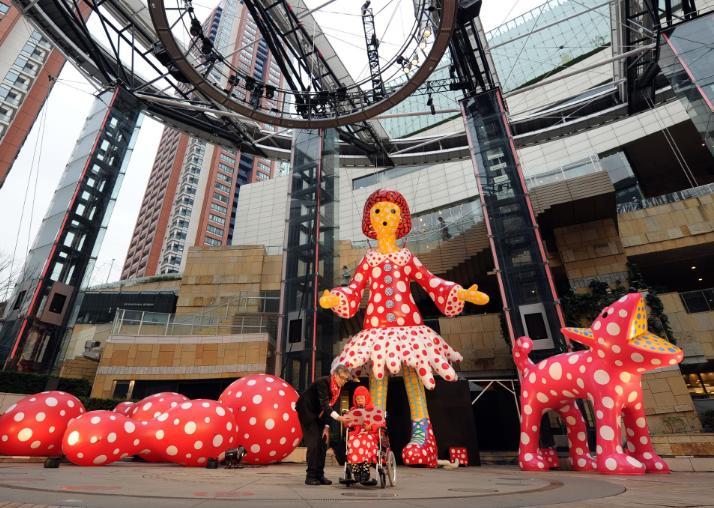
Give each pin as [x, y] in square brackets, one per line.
[392, 196]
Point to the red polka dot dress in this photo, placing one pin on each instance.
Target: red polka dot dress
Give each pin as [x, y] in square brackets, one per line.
[394, 333]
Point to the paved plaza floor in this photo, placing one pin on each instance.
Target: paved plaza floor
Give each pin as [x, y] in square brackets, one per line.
[130, 484]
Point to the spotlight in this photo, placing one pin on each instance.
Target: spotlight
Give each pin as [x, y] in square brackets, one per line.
[415, 61]
[427, 33]
[694, 268]
[323, 96]
[401, 60]
[206, 46]
[422, 44]
[269, 91]
[342, 93]
[249, 83]
[430, 103]
[196, 29]
[233, 80]
[700, 279]
[234, 457]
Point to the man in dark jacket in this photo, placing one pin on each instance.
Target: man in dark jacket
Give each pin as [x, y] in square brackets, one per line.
[315, 409]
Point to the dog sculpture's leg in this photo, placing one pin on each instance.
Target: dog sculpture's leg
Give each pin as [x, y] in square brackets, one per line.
[529, 457]
[639, 442]
[611, 459]
[577, 438]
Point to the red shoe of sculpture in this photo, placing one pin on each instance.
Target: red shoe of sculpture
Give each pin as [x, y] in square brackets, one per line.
[421, 449]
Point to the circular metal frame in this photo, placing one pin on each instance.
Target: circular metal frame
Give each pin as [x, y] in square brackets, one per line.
[351, 106]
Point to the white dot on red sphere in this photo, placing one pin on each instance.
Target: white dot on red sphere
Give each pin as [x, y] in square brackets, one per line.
[220, 411]
[255, 448]
[217, 440]
[257, 399]
[251, 382]
[198, 445]
[252, 420]
[171, 450]
[269, 423]
[51, 401]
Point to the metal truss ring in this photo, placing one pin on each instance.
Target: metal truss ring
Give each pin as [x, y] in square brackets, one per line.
[365, 110]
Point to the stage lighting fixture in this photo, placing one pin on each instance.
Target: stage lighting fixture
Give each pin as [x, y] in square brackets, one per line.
[206, 46]
[234, 457]
[196, 29]
[269, 91]
[249, 83]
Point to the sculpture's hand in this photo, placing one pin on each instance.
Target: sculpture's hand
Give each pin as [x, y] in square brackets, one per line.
[328, 300]
[473, 295]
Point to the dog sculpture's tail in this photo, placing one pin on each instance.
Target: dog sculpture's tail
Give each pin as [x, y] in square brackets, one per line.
[521, 348]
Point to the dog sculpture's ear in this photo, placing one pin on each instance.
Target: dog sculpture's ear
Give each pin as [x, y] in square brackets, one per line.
[582, 335]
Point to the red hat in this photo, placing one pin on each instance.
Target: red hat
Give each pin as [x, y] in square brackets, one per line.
[362, 390]
[392, 196]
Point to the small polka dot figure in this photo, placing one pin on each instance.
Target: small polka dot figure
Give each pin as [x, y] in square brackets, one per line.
[35, 424]
[264, 409]
[608, 374]
[394, 338]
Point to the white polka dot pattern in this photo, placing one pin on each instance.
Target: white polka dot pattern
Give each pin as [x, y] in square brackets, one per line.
[35, 425]
[269, 425]
[608, 374]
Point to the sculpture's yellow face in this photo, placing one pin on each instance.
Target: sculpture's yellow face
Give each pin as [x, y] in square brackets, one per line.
[385, 217]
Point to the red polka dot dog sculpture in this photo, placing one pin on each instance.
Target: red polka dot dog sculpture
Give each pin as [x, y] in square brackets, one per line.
[621, 349]
[394, 337]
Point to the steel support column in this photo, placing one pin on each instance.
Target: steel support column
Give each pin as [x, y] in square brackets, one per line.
[307, 333]
[69, 238]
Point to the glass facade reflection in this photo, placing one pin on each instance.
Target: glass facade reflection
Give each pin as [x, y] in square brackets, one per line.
[687, 60]
[66, 245]
[547, 38]
[307, 332]
[529, 299]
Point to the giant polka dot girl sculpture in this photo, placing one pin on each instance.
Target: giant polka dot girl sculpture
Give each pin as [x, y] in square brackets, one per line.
[394, 338]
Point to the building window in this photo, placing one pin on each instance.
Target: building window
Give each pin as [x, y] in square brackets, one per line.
[220, 197]
[228, 159]
[212, 242]
[216, 219]
[225, 178]
[225, 168]
[222, 187]
[216, 231]
[261, 176]
[219, 208]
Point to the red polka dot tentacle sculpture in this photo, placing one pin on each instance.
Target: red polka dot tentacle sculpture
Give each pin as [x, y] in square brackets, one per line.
[190, 433]
[124, 408]
[608, 373]
[264, 409]
[34, 426]
[149, 409]
[394, 338]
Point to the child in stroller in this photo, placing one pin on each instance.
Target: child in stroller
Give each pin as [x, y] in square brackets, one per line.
[363, 438]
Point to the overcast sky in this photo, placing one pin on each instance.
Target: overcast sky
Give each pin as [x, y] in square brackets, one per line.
[46, 151]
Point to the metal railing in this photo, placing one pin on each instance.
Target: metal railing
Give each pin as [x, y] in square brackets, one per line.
[666, 199]
[140, 323]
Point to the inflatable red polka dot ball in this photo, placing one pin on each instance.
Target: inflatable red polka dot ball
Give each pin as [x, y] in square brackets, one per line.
[97, 438]
[152, 406]
[149, 408]
[35, 424]
[264, 408]
[124, 408]
[192, 432]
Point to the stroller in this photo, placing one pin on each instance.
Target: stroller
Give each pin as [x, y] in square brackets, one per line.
[385, 465]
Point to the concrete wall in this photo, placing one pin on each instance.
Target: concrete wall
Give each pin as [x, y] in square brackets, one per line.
[670, 226]
[218, 275]
[668, 405]
[591, 250]
[479, 338]
[694, 332]
[158, 357]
